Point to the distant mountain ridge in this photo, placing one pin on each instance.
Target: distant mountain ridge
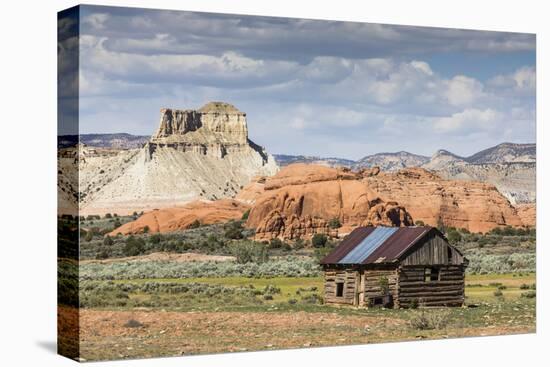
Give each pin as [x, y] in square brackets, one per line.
[116, 140]
[286, 159]
[511, 167]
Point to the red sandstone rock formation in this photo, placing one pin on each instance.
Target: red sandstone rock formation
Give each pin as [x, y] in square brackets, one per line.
[528, 214]
[179, 218]
[476, 206]
[302, 200]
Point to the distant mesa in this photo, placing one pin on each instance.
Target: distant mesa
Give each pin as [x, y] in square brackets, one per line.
[202, 154]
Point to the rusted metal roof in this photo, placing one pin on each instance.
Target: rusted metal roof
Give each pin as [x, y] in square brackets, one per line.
[348, 244]
[385, 245]
[369, 244]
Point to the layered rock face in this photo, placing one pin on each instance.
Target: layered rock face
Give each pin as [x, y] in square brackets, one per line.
[173, 219]
[195, 154]
[302, 200]
[476, 206]
[216, 129]
[528, 214]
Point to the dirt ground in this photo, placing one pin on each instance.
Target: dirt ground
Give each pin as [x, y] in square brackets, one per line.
[105, 335]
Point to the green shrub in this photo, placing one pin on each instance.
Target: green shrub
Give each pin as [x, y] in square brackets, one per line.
[245, 215]
[108, 215]
[497, 293]
[107, 241]
[196, 224]
[419, 223]
[335, 223]
[146, 229]
[530, 294]
[234, 230]
[155, 238]
[430, 319]
[281, 267]
[319, 240]
[249, 252]
[299, 244]
[134, 246]
[524, 286]
[133, 324]
[89, 236]
[453, 236]
[275, 243]
[103, 254]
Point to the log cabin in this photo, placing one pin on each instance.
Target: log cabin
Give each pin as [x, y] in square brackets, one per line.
[399, 267]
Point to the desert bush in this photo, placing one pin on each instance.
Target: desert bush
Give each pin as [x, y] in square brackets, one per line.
[275, 243]
[334, 223]
[453, 236]
[245, 215]
[107, 241]
[133, 324]
[155, 239]
[134, 246]
[89, 236]
[312, 298]
[285, 267]
[234, 230]
[299, 244]
[103, 254]
[196, 224]
[497, 293]
[524, 286]
[430, 319]
[514, 263]
[319, 240]
[249, 251]
[419, 223]
[530, 294]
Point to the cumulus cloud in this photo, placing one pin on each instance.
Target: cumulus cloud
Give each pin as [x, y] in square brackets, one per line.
[469, 119]
[308, 87]
[462, 90]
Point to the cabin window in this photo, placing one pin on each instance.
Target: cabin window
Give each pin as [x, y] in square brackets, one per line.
[449, 255]
[339, 289]
[431, 274]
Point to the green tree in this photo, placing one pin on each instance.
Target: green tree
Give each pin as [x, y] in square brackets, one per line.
[234, 230]
[319, 240]
[454, 236]
[245, 215]
[134, 246]
[107, 241]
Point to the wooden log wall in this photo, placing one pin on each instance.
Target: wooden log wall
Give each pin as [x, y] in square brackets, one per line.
[346, 276]
[447, 291]
[434, 250]
[372, 283]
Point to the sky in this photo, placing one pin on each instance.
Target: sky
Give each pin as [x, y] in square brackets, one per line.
[311, 87]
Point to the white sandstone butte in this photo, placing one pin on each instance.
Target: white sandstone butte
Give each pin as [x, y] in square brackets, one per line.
[194, 154]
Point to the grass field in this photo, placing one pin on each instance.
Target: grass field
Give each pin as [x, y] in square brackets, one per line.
[237, 317]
